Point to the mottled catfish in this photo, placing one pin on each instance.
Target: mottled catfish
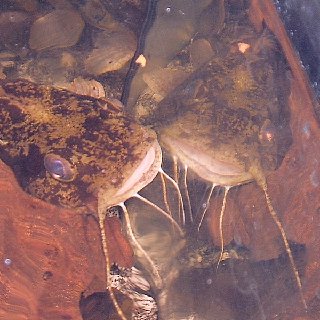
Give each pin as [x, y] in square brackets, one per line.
[65, 148]
[231, 125]
[74, 150]
[228, 124]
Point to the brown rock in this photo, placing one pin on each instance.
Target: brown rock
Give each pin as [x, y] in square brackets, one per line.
[113, 49]
[57, 29]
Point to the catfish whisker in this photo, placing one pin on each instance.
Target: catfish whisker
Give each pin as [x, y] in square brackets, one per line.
[181, 204]
[185, 172]
[153, 268]
[286, 244]
[102, 218]
[165, 198]
[167, 215]
[204, 206]
[175, 169]
[223, 209]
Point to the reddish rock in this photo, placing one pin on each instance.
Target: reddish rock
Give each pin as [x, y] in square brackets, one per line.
[49, 255]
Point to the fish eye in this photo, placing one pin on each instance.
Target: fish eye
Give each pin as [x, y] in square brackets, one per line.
[59, 168]
[267, 134]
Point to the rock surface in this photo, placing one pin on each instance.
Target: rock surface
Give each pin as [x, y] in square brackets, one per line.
[50, 256]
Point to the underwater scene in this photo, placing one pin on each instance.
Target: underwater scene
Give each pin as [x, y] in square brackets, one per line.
[159, 159]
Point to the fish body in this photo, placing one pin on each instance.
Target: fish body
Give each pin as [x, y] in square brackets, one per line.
[65, 148]
[227, 119]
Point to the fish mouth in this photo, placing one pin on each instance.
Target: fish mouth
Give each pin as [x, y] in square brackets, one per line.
[145, 172]
[204, 164]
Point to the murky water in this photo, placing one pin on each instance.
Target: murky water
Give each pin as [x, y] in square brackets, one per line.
[225, 122]
[216, 93]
